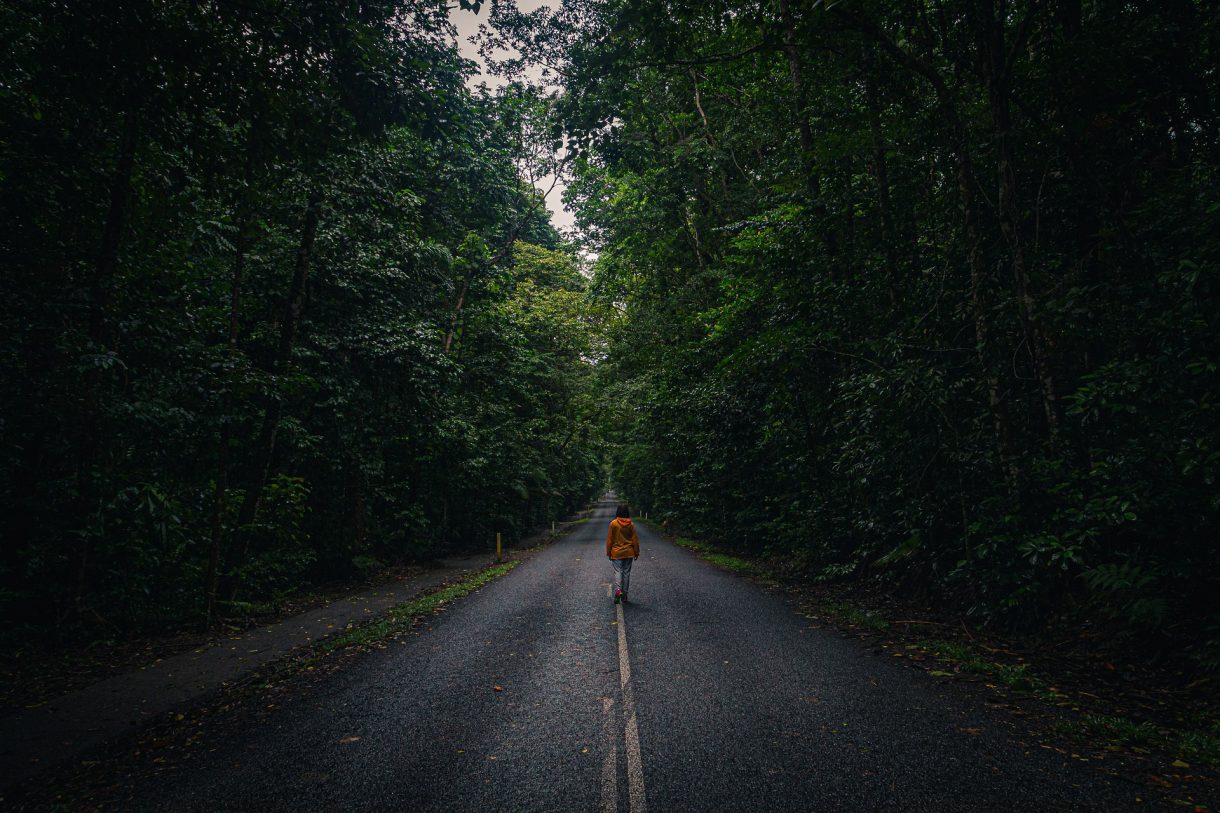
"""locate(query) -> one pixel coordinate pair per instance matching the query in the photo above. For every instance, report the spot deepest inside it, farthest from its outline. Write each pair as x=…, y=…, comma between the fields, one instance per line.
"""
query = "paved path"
x=33, y=740
x=706, y=693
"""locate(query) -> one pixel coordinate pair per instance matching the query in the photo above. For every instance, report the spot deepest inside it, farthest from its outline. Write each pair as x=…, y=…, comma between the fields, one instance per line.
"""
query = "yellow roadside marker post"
x=498, y=549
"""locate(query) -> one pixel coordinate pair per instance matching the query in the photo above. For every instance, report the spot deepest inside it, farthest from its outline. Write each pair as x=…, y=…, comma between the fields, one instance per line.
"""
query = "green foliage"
x=280, y=303
x=842, y=612
x=729, y=562
x=725, y=561
x=403, y=616
x=1199, y=747
x=1128, y=592
x=281, y=551
x=892, y=297
x=1202, y=747
x=692, y=544
x=1118, y=730
x=966, y=659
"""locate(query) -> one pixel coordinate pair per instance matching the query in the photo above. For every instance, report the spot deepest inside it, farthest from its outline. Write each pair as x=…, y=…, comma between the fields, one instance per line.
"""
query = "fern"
x=1129, y=592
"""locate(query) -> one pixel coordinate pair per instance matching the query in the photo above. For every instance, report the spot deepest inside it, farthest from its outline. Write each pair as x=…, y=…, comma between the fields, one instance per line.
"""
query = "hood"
x=622, y=520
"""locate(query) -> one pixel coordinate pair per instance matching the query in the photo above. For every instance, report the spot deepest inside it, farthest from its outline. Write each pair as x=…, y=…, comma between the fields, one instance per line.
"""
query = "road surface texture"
x=705, y=693
x=35, y=739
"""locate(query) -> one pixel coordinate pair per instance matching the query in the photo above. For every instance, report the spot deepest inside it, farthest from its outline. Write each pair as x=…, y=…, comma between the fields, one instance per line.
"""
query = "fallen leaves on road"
x=498, y=688
x=350, y=738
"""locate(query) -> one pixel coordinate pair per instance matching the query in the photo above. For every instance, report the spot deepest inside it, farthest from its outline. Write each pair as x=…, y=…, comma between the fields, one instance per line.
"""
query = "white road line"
x=610, y=765
x=635, y=767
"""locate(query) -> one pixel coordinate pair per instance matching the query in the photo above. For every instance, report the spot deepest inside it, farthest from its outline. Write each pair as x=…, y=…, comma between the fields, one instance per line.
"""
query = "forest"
x=280, y=304
x=913, y=294
x=922, y=293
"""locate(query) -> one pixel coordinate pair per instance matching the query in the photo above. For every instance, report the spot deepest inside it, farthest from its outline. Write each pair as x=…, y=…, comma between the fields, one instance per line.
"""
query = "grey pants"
x=622, y=573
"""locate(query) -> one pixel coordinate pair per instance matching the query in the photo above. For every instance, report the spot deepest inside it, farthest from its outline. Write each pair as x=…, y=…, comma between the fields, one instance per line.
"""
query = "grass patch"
x=728, y=562
x=722, y=560
x=1201, y=746
x=401, y=617
x=840, y=612
x=1116, y=733
x=1014, y=676
x=961, y=656
x=692, y=544
x=1100, y=728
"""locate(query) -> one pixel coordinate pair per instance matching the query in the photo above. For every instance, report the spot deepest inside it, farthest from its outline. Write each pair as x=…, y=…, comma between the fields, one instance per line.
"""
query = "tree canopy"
x=280, y=303
x=915, y=292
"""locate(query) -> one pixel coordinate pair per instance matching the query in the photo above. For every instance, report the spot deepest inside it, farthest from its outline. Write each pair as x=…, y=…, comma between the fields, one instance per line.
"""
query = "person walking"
x=622, y=548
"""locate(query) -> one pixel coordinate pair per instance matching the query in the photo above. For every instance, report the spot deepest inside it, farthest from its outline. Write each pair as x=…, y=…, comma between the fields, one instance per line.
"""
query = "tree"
x=892, y=279
x=237, y=234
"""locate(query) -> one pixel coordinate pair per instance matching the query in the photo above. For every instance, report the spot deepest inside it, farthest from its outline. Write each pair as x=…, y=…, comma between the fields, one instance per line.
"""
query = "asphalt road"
x=706, y=693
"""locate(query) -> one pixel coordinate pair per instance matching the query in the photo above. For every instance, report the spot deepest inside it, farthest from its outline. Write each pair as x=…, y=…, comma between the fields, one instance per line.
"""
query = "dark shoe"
x=618, y=596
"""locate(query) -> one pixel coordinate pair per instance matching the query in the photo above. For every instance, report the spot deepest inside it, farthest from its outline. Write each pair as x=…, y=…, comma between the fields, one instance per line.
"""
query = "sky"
x=467, y=24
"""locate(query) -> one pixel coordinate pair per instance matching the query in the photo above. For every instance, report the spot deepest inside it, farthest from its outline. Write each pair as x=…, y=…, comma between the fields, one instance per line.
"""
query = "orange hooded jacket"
x=622, y=542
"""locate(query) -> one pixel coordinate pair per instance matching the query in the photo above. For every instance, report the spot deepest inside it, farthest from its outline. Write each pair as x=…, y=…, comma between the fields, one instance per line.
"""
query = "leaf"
x=940, y=673
x=1177, y=763
x=350, y=738
x=498, y=688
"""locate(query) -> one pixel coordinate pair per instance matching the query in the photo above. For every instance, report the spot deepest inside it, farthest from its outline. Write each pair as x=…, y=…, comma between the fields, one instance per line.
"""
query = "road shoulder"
x=73, y=738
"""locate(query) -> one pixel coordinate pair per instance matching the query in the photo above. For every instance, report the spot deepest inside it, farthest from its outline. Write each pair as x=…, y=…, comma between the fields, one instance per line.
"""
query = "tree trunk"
x=457, y=310
x=881, y=173
x=999, y=71
x=960, y=147
x=264, y=445
x=100, y=287
x=357, y=495
x=979, y=299
x=116, y=221
x=798, y=86
x=997, y=403
x=797, y=80
x=220, y=490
